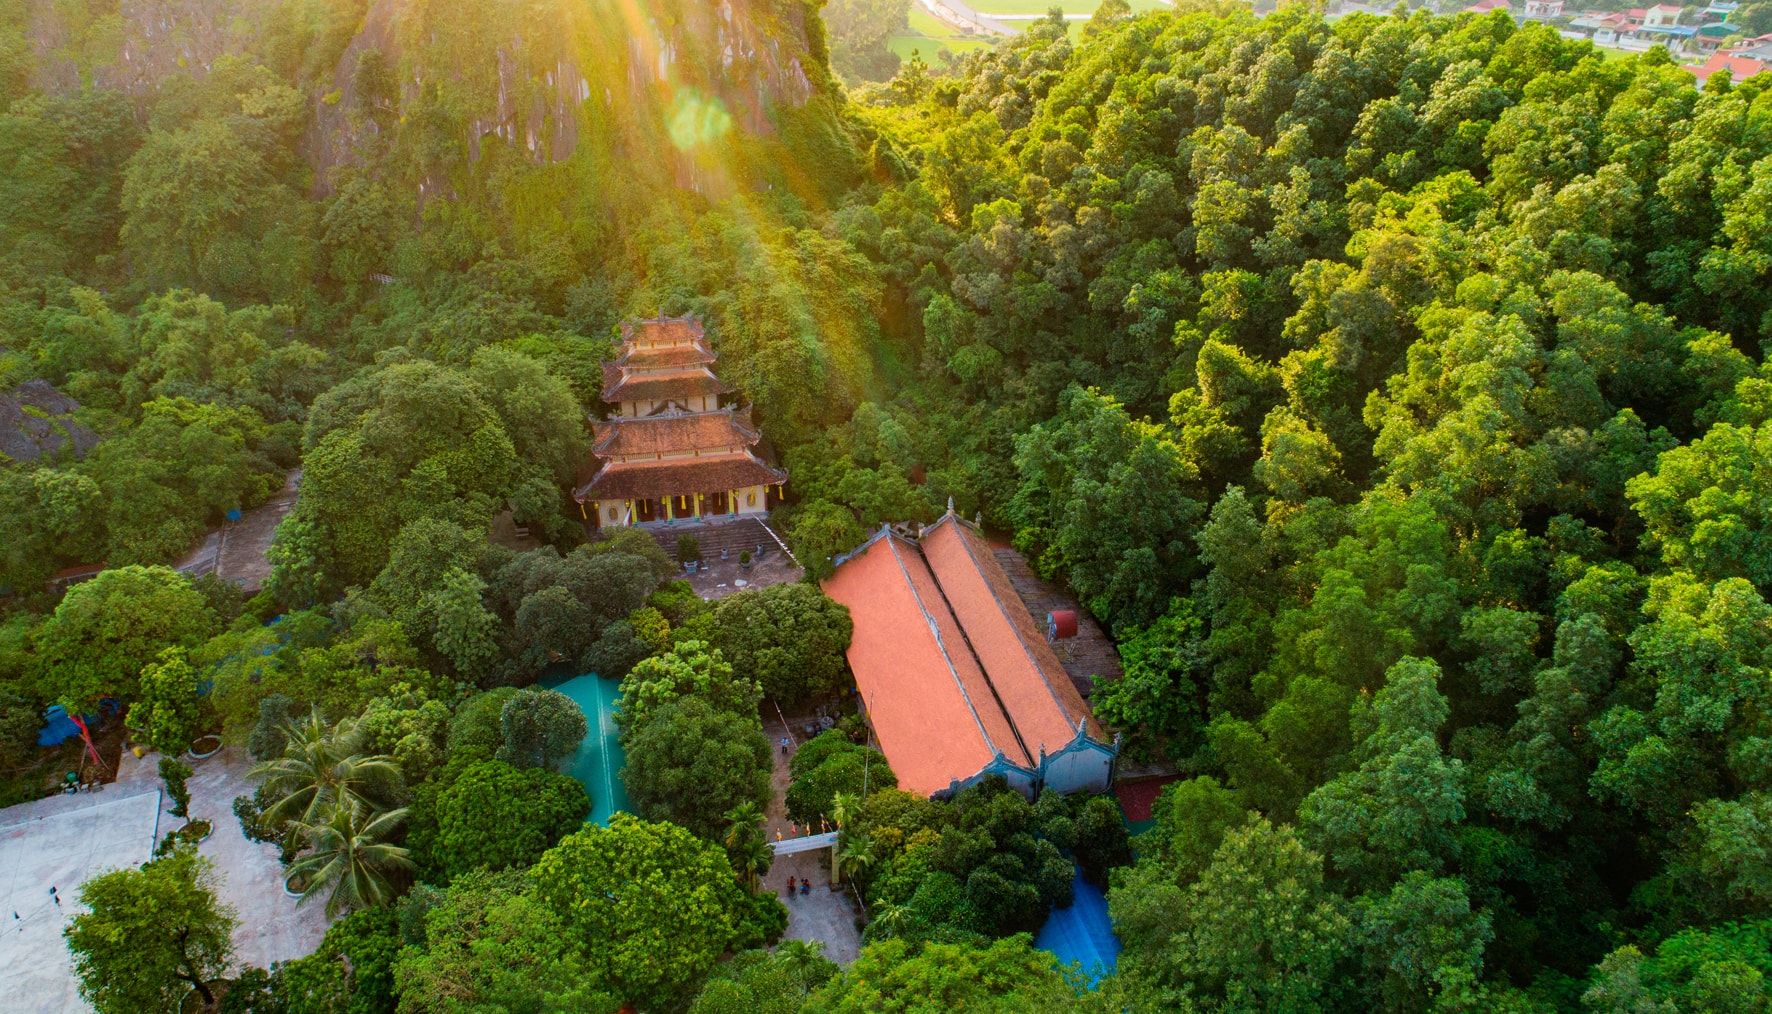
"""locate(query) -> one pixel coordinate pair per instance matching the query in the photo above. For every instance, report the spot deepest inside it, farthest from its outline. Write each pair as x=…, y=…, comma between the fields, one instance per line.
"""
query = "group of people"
x=805, y=885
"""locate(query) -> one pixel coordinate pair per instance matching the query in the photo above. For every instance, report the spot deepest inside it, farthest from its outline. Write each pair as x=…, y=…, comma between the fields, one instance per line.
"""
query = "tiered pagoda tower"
x=671, y=452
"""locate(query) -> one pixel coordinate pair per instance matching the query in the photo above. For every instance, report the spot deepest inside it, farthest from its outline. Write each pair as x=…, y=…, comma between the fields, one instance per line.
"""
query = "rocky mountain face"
x=36, y=422
x=543, y=75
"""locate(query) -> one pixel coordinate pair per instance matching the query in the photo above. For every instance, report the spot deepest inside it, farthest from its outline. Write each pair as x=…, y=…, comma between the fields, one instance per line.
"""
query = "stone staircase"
x=733, y=536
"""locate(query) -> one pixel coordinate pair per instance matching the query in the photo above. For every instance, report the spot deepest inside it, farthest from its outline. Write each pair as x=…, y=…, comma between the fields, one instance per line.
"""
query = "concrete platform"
x=271, y=927
x=64, y=840
x=62, y=850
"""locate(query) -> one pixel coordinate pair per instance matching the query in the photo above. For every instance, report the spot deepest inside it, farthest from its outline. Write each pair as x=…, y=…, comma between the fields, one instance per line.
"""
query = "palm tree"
x=352, y=857
x=321, y=766
x=745, y=846
x=801, y=959
x=843, y=806
x=743, y=822
x=752, y=858
x=857, y=855
x=889, y=920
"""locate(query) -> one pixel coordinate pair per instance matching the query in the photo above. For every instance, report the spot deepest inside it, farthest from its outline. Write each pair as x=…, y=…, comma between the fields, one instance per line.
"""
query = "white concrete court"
x=62, y=850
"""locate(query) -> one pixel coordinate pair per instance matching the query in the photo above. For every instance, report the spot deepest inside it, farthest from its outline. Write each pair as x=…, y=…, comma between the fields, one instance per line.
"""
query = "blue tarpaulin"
x=60, y=727
x=1082, y=933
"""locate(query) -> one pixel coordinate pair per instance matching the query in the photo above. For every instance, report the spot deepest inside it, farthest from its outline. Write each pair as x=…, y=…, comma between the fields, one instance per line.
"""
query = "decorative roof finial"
x=950, y=506
x=978, y=519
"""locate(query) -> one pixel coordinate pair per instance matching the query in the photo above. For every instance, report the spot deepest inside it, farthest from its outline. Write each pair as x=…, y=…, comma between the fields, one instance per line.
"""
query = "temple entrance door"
x=715, y=503
x=647, y=510
x=685, y=507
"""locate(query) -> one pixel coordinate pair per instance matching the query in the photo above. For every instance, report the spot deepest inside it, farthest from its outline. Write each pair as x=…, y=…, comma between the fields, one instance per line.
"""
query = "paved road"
x=957, y=12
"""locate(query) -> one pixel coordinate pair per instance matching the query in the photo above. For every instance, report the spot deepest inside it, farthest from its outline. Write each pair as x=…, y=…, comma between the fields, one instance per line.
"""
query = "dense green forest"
x=1392, y=387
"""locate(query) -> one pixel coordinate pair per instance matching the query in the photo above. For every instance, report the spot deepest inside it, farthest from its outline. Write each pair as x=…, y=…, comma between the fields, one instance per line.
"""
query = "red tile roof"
x=677, y=384
x=951, y=667
x=647, y=480
x=1740, y=68
x=663, y=330
x=726, y=431
x=926, y=696
x=647, y=357
x=1030, y=680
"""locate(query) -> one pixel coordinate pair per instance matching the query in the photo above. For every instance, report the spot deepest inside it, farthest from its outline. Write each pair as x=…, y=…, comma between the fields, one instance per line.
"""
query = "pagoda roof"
x=685, y=383
x=675, y=431
x=654, y=357
x=645, y=480
x=662, y=330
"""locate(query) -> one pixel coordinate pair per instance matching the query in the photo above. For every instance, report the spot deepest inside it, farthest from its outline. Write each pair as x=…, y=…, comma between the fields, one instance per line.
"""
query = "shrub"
x=497, y=817
x=830, y=764
x=688, y=549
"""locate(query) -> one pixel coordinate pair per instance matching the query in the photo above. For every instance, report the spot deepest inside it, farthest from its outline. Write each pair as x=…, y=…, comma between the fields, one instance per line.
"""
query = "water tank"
x=1061, y=623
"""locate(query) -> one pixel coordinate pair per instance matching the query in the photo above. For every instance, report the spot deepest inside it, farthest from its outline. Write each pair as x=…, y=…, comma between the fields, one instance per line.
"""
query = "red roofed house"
x=958, y=680
x=1485, y=6
x=1740, y=68
x=671, y=452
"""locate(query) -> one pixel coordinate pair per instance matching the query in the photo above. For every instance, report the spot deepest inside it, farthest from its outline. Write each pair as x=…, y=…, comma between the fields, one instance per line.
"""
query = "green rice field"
x=929, y=34
x=1037, y=8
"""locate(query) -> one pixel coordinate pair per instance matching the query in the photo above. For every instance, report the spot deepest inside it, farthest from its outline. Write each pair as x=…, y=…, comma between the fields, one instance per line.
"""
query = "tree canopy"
x=623, y=888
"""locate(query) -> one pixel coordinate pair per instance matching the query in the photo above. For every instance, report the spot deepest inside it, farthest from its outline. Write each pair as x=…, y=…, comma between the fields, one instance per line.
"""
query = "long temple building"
x=957, y=678
x=671, y=452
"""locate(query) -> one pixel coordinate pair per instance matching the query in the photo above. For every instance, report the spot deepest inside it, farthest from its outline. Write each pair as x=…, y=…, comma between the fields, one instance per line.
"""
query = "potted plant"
x=744, y=559
x=206, y=745
x=688, y=552
x=193, y=833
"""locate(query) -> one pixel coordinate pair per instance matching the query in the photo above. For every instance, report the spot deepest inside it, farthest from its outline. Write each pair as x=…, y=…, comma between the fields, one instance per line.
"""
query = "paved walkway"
x=719, y=578
x=62, y=841
x=91, y=833
x=271, y=927
x=236, y=551
x=823, y=914
x=241, y=557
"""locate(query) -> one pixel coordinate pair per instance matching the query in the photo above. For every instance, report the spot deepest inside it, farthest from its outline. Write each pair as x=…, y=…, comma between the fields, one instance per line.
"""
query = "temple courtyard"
x=63, y=841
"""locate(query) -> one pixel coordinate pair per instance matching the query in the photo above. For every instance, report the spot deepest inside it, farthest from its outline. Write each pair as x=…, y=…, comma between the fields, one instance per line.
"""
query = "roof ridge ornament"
x=950, y=506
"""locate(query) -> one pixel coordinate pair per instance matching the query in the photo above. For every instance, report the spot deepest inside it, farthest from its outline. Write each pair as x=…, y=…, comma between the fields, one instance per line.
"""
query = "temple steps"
x=733, y=536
